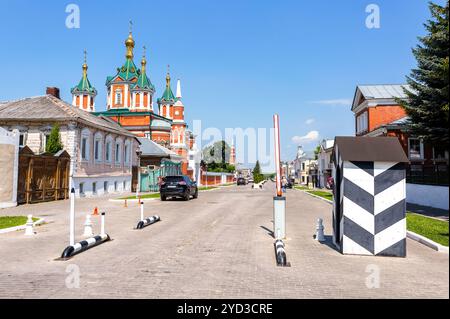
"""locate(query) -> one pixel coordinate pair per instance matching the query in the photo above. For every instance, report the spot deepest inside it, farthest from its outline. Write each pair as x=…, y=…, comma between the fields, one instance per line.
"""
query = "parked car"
x=241, y=181
x=178, y=186
x=250, y=180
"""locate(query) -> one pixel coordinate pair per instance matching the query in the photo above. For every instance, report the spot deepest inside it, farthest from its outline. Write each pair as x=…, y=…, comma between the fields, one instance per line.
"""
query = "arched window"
x=118, y=97
x=85, y=143
x=127, y=152
x=108, y=149
x=118, y=151
x=98, y=147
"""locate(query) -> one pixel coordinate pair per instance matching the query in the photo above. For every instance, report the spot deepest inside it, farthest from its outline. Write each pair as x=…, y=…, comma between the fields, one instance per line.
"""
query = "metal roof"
x=150, y=148
x=50, y=108
x=383, y=91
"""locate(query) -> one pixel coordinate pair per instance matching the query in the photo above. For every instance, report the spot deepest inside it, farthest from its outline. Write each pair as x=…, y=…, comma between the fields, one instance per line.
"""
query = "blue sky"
x=239, y=61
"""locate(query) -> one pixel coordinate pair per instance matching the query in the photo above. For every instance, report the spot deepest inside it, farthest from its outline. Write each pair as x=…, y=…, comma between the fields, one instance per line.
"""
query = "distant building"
x=378, y=113
x=324, y=165
x=305, y=168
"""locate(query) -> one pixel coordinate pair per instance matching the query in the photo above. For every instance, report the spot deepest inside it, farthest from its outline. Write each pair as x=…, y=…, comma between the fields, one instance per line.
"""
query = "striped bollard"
x=280, y=253
x=148, y=221
x=88, y=243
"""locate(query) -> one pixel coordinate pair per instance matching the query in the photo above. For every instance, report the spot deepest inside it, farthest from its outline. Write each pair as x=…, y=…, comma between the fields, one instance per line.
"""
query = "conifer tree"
x=54, y=144
x=427, y=99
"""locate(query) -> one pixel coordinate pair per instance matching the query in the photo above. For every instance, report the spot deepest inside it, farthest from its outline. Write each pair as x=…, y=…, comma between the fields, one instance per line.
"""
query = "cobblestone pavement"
x=218, y=246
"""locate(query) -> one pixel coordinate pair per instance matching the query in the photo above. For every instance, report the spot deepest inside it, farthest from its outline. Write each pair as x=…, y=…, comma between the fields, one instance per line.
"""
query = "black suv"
x=178, y=186
x=241, y=181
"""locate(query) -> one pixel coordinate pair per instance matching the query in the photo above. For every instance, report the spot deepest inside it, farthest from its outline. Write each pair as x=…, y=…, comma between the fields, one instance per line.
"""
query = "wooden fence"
x=43, y=177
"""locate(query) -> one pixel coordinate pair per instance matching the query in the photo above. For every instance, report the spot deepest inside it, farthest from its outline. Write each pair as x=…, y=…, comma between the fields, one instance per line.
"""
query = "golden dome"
x=129, y=43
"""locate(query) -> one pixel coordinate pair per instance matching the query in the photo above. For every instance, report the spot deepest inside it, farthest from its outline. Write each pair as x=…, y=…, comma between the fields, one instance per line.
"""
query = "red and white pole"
x=279, y=201
x=276, y=124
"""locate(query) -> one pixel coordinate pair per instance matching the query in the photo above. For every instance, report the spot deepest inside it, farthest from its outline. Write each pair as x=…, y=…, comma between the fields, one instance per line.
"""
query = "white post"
x=279, y=201
x=88, y=227
x=142, y=210
x=72, y=218
x=102, y=229
x=29, y=226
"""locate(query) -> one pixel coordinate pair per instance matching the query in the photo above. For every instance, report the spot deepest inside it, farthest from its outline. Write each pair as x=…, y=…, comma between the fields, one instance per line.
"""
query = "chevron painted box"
x=369, y=209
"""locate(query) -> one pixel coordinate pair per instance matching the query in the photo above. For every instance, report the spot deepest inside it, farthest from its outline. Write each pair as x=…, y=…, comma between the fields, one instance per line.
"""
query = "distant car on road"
x=178, y=186
x=250, y=180
x=241, y=181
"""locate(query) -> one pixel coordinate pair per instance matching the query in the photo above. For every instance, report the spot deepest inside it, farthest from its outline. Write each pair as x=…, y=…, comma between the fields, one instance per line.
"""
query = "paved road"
x=218, y=246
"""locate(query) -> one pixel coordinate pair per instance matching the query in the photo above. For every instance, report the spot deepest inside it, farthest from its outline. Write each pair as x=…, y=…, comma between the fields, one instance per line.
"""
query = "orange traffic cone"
x=95, y=211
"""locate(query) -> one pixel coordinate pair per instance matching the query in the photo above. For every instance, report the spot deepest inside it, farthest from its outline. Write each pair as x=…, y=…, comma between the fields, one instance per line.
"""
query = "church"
x=130, y=103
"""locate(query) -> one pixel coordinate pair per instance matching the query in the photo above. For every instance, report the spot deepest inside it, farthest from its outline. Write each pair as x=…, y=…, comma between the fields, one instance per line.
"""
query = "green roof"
x=167, y=96
x=84, y=86
x=126, y=72
x=143, y=82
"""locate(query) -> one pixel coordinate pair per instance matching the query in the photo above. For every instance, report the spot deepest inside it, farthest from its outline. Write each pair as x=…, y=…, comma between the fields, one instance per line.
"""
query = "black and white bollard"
x=280, y=253
x=90, y=242
x=146, y=221
x=319, y=230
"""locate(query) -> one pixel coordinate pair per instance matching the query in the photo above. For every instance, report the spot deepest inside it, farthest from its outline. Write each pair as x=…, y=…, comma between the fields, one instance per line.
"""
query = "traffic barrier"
x=88, y=243
x=146, y=221
x=280, y=253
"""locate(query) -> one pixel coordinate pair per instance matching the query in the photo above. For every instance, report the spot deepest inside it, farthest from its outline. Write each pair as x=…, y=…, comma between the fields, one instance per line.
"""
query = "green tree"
x=219, y=152
x=54, y=144
x=427, y=100
x=257, y=176
x=316, y=152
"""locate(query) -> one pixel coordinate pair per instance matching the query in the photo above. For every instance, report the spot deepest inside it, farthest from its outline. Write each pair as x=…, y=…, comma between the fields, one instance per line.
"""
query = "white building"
x=102, y=152
x=324, y=162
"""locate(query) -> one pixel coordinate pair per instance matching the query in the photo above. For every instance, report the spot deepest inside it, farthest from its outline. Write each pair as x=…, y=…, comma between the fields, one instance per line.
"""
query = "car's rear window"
x=173, y=178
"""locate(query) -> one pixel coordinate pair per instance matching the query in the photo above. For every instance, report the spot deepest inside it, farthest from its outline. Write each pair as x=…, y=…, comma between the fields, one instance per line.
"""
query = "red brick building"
x=377, y=113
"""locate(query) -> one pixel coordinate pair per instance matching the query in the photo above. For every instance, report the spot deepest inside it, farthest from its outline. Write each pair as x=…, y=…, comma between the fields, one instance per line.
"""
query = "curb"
x=132, y=199
x=321, y=198
x=411, y=235
x=427, y=242
x=40, y=221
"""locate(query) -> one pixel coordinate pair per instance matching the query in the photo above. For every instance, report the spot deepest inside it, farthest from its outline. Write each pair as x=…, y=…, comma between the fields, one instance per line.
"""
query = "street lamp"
x=138, y=154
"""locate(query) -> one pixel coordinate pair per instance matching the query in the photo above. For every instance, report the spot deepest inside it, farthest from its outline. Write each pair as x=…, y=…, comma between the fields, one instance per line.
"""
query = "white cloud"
x=344, y=102
x=310, y=121
x=312, y=136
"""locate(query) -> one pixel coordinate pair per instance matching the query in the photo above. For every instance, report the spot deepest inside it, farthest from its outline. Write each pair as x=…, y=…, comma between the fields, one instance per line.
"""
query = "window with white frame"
x=126, y=152
x=98, y=141
x=84, y=145
x=415, y=149
x=362, y=123
x=23, y=139
x=440, y=153
x=118, y=97
x=117, y=152
x=108, y=149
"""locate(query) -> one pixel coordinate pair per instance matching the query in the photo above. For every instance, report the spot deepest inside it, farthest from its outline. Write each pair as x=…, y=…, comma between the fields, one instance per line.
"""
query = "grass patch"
x=436, y=230
x=13, y=221
x=206, y=188
x=322, y=194
x=302, y=188
x=144, y=196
